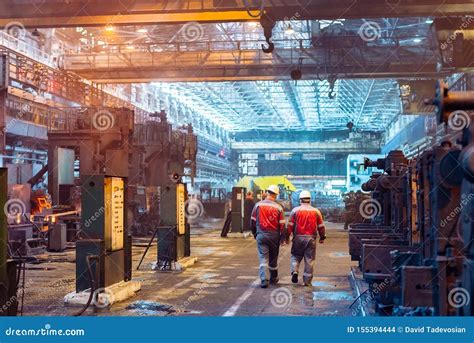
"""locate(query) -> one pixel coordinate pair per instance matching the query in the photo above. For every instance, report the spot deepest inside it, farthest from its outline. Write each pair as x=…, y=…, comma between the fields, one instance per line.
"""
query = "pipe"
x=35, y=179
x=22, y=158
x=56, y=215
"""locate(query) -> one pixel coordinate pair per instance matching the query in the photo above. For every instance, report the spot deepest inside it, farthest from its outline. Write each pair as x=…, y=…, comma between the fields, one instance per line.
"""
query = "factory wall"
x=328, y=165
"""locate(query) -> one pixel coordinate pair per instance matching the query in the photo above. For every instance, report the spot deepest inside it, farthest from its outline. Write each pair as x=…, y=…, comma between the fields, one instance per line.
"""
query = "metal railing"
x=25, y=48
x=35, y=67
x=17, y=50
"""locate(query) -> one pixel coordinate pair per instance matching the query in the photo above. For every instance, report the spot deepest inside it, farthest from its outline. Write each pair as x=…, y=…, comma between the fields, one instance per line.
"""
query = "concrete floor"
x=222, y=283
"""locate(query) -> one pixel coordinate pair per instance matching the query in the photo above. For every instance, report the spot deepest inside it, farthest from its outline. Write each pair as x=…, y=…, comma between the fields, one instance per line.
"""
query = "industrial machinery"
x=420, y=236
x=8, y=267
x=100, y=139
x=161, y=158
x=167, y=157
x=352, y=201
x=104, y=235
x=23, y=236
x=174, y=236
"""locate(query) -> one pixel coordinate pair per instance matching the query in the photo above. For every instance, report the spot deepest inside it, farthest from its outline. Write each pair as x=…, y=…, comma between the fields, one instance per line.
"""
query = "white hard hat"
x=305, y=195
x=274, y=189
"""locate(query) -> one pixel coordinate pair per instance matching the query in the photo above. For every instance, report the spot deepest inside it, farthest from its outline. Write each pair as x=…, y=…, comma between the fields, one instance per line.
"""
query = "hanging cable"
x=249, y=12
x=92, y=284
x=22, y=262
x=363, y=293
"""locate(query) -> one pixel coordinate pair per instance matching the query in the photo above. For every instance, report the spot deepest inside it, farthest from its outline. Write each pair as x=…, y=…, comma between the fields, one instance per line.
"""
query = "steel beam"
x=257, y=73
x=324, y=147
x=56, y=13
x=221, y=66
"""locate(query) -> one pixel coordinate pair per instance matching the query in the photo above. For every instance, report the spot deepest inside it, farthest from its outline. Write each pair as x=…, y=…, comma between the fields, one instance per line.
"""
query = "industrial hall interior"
x=236, y=158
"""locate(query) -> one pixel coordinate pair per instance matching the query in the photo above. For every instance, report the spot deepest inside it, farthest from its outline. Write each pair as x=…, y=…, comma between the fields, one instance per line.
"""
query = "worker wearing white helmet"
x=268, y=227
x=305, y=223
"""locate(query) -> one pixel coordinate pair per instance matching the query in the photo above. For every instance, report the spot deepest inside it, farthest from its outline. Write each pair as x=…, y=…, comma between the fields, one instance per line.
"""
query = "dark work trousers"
x=304, y=247
x=268, y=244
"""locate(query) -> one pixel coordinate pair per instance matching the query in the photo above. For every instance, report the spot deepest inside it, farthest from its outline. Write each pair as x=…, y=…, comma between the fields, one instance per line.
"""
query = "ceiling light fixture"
x=252, y=24
x=109, y=28
x=142, y=30
x=289, y=30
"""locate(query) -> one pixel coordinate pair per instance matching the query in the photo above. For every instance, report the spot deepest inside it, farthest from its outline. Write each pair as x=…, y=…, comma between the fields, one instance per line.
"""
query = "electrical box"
x=174, y=234
x=103, y=209
x=103, y=234
x=238, y=209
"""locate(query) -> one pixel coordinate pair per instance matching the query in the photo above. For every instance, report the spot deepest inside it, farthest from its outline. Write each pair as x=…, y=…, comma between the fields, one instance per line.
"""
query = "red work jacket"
x=306, y=220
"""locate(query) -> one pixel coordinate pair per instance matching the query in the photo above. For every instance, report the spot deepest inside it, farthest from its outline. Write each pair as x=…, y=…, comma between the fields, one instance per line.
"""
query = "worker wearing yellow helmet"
x=268, y=228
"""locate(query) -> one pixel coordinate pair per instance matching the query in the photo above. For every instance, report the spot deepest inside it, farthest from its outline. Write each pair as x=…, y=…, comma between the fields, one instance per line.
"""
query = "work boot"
x=294, y=277
x=274, y=277
x=264, y=284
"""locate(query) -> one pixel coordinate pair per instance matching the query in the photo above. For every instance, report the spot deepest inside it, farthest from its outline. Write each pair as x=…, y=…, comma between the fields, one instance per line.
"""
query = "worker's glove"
x=322, y=239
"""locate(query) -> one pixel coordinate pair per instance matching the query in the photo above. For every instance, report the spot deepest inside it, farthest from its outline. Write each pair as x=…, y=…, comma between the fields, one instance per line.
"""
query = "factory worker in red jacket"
x=268, y=227
x=305, y=223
